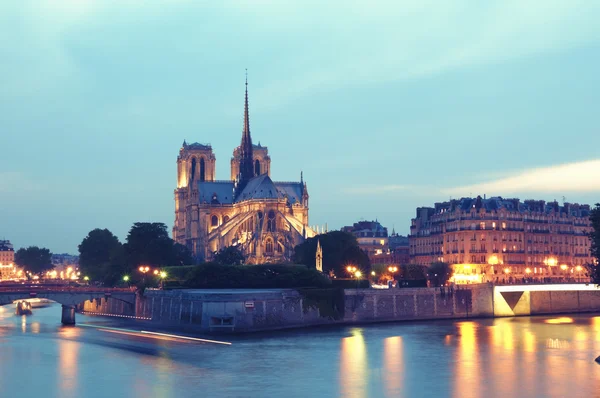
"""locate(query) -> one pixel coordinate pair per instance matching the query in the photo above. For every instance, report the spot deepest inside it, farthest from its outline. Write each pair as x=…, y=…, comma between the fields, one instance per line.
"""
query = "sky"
x=383, y=105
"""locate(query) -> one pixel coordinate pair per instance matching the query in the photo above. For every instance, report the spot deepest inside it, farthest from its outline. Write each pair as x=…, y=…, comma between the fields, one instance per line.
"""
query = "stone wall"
x=254, y=310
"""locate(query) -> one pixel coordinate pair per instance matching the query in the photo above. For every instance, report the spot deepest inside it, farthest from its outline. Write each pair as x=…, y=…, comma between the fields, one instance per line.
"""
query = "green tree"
x=101, y=257
x=594, y=269
x=412, y=272
x=34, y=259
x=340, y=249
x=150, y=244
x=230, y=255
x=438, y=273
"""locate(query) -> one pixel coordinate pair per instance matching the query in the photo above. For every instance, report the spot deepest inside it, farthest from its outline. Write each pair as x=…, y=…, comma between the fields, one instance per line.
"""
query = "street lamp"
x=126, y=278
x=144, y=270
x=358, y=274
x=578, y=269
x=351, y=269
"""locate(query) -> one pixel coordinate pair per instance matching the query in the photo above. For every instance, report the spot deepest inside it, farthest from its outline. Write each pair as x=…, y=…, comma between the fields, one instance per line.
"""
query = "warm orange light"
x=506, y=270
x=358, y=274
x=528, y=270
x=564, y=267
x=578, y=268
x=155, y=272
x=551, y=262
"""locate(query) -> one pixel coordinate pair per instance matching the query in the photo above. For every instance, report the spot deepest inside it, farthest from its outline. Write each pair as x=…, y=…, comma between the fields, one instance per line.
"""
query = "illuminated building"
x=399, y=247
x=372, y=238
x=266, y=219
x=497, y=239
x=7, y=259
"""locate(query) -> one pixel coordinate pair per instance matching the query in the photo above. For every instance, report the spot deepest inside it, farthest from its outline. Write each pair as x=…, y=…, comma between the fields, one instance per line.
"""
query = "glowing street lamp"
x=126, y=278
x=373, y=273
x=86, y=278
x=351, y=269
x=528, y=270
x=358, y=274
x=578, y=269
x=143, y=269
x=564, y=267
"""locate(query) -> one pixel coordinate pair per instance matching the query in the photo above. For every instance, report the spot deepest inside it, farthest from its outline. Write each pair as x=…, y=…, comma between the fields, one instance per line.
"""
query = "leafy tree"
x=230, y=255
x=101, y=257
x=340, y=249
x=34, y=259
x=412, y=272
x=181, y=255
x=438, y=273
x=148, y=244
x=594, y=269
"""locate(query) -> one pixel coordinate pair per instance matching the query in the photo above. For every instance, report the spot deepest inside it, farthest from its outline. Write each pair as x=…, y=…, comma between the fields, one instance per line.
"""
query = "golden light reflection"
x=67, y=367
x=529, y=341
x=558, y=321
x=35, y=327
x=353, y=365
x=393, y=365
x=23, y=323
x=467, y=383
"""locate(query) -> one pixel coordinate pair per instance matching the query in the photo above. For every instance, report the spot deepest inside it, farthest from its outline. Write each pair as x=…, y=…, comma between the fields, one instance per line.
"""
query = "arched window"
x=279, y=247
x=193, y=173
x=269, y=246
x=271, y=227
x=202, y=177
x=257, y=167
x=225, y=219
x=214, y=221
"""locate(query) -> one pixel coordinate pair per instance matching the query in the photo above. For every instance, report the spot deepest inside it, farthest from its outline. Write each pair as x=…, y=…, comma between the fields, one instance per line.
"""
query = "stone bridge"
x=69, y=297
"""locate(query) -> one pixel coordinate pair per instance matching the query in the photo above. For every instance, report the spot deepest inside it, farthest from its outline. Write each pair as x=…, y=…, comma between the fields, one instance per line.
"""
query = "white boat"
x=36, y=302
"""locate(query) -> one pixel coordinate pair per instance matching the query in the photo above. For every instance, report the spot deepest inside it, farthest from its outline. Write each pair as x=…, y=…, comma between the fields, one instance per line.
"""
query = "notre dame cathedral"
x=265, y=219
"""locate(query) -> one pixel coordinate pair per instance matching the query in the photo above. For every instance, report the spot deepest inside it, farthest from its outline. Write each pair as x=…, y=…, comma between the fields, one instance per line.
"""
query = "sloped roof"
x=222, y=190
x=291, y=190
x=260, y=187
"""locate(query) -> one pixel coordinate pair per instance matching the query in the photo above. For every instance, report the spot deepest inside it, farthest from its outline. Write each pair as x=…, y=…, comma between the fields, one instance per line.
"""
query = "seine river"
x=511, y=357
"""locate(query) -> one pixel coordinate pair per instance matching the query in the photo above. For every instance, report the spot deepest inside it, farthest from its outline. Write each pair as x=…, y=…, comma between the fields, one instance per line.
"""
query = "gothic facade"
x=265, y=219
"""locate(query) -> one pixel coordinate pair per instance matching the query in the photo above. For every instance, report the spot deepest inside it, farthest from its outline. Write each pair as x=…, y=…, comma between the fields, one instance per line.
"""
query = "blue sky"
x=384, y=105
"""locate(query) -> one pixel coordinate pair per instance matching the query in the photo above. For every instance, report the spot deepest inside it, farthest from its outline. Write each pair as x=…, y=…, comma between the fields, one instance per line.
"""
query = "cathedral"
x=265, y=219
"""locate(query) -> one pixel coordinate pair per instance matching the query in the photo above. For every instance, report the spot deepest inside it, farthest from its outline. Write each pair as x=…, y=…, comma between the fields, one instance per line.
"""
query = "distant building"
x=7, y=260
x=319, y=257
x=373, y=239
x=399, y=248
x=62, y=261
x=500, y=239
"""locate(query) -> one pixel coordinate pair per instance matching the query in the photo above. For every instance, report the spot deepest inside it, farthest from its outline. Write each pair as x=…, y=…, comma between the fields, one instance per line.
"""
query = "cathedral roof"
x=260, y=187
x=216, y=192
x=196, y=145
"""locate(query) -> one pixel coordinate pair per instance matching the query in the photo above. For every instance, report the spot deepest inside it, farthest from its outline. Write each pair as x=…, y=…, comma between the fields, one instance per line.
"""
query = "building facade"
x=265, y=219
x=7, y=260
x=373, y=239
x=503, y=240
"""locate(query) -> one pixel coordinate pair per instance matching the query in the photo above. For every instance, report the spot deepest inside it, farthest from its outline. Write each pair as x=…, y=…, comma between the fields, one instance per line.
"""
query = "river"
x=508, y=357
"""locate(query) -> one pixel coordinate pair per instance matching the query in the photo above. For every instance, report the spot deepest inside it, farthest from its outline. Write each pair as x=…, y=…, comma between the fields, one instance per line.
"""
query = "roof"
x=260, y=187
x=216, y=192
x=196, y=145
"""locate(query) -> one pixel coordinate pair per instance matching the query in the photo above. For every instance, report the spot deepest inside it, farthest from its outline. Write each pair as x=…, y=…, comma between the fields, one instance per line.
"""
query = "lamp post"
x=162, y=275
x=144, y=270
x=578, y=269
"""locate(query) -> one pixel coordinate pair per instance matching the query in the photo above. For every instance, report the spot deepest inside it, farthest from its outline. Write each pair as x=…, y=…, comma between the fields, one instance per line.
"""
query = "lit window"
x=382, y=242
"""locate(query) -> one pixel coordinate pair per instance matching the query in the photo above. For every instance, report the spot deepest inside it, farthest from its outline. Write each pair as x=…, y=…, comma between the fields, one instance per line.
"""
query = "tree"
x=594, y=269
x=34, y=259
x=148, y=244
x=230, y=255
x=101, y=257
x=340, y=249
x=438, y=273
x=412, y=272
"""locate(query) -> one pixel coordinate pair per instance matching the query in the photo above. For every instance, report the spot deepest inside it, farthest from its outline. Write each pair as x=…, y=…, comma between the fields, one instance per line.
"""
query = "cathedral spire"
x=246, y=157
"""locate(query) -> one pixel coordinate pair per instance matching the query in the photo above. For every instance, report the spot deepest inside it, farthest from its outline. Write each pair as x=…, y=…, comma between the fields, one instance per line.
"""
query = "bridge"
x=68, y=296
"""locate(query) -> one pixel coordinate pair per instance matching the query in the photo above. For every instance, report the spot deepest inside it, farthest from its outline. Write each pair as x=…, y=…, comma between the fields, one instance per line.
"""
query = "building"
x=266, y=219
x=500, y=239
x=7, y=260
x=372, y=238
x=399, y=248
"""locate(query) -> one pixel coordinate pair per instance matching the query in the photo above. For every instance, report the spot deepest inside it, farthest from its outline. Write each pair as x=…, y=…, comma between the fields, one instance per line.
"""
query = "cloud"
x=570, y=177
x=15, y=182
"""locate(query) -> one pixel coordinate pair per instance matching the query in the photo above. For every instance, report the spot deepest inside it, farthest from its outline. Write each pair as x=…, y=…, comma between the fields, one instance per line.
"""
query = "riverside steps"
x=248, y=310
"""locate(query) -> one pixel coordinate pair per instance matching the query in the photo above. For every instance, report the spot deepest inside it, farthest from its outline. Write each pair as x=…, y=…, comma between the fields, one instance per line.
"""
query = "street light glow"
x=126, y=278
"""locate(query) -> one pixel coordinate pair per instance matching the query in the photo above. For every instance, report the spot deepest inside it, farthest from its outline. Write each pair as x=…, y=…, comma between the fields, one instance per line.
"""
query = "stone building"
x=7, y=259
x=266, y=219
x=372, y=238
x=500, y=239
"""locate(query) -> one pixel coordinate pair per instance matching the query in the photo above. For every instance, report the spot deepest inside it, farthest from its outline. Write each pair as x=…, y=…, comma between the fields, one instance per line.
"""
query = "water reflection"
x=67, y=367
x=393, y=370
x=353, y=365
x=467, y=379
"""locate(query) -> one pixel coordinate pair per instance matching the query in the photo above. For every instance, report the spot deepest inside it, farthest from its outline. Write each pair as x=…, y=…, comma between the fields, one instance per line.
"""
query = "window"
x=202, y=177
x=225, y=219
x=503, y=225
x=193, y=171
x=280, y=247
x=269, y=246
x=271, y=227
x=256, y=167
x=482, y=225
x=214, y=221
